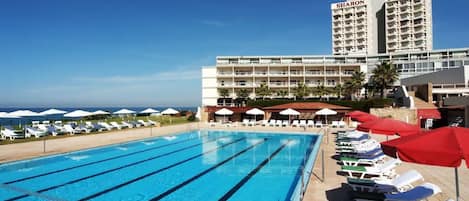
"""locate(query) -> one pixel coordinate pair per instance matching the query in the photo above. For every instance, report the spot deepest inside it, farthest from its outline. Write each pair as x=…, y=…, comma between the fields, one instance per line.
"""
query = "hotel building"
x=358, y=27
x=283, y=73
x=408, y=25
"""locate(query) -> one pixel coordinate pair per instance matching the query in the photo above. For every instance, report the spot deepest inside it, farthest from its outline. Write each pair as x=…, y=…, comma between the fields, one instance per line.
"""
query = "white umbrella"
x=100, y=112
x=169, y=111
x=53, y=112
x=325, y=112
x=149, y=111
x=78, y=113
x=224, y=112
x=124, y=111
x=24, y=113
x=289, y=112
x=255, y=112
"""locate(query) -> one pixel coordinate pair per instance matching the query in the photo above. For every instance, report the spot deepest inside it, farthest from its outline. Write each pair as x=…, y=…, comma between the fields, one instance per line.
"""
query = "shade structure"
x=255, y=111
x=361, y=116
x=149, y=111
x=355, y=113
x=53, y=112
x=169, y=111
x=386, y=126
x=325, y=112
x=289, y=111
x=24, y=113
x=224, y=111
x=446, y=147
x=100, y=112
x=8, y=116
x=124, y=111
x=78, y=114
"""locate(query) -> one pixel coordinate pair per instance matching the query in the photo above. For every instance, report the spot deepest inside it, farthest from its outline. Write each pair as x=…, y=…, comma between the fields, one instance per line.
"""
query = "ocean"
x=70, y=109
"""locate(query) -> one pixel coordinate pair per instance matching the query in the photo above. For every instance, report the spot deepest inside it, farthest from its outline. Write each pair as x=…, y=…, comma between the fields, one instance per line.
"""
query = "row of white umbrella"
x=287, y=112
x=81, y=113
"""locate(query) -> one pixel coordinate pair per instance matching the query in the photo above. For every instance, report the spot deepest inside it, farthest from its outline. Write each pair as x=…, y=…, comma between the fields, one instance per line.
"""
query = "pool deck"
x=330, y=189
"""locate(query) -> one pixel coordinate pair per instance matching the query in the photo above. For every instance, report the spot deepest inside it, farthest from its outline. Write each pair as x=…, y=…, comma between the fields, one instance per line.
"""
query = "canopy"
x=361, y=116
x=289, y=111
x=169, y=111
x=224, y=111
x=149, y=111
x=446, y=146
x=53, y=112
x=78, y=113
x=100, y=112
x=124, y=111
x=356, y=113
x=326, y=111
x=255, y=111
x=24, y=113
x=6, y=115
x=388, y=126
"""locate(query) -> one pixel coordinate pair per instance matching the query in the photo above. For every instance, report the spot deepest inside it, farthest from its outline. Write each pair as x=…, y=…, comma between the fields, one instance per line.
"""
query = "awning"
x=428, y=114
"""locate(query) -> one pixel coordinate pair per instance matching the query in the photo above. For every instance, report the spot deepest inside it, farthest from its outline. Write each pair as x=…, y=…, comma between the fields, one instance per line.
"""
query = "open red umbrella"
x=386, y=126
x=445, y=147
x=361, y=116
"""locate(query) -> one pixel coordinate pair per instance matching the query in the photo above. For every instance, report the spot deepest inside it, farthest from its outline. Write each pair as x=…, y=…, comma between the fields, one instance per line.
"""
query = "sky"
x=88, y=53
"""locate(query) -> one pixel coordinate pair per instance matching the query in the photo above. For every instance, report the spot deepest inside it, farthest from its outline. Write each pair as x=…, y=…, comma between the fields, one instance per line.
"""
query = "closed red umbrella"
x=361, y=116
x=446, y=147
x=386, y=126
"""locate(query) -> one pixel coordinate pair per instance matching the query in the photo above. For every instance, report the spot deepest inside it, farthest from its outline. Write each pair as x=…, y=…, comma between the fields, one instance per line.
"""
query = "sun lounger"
x=421, y=192
x=144, y=123
x=115, y=125
x=342, y=124
x=303, y=123
x=29, y=132
x=318, y=124
x=272, y=122
x=245, y=122
x=69, y=129
x=401, y=183
x=7, y=133
x=136, y=124
x=106, y=125
x=335, y=124
x=366, y=145
x=127, y=124
x=285, y=123
x=367, y=161
x=265, y=122
x=384, y=170
x=278, y=123
x=212, y=123
x=35, y=123
x=153, y=123
x=82, y=128
x=295, y=123
x=311, y=123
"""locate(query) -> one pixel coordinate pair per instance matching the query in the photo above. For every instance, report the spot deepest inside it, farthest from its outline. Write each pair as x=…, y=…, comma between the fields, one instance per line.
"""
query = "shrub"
x=191, y=117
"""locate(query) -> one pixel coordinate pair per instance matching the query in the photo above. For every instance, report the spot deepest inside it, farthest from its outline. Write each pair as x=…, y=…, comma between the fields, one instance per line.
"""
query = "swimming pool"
x=196, y=165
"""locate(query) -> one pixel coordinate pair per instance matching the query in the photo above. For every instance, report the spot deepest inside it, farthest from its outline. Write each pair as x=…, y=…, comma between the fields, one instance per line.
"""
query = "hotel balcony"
x=278, y=84
x=279, y=73
x=243, y=74
x=360, y=9
x=224, y=74
x=296, y=73
x=337, y=12
x=314, y=73
x=261, y=73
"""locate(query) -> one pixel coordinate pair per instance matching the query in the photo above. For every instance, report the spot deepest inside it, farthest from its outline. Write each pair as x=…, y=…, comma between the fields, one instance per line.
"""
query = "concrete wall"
x=448, y=76
x=403, y=114
x=209, y=86
x=462, y=100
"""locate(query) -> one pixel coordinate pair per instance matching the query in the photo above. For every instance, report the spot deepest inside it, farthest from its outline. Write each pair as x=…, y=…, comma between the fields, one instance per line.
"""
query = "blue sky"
x=149, y=53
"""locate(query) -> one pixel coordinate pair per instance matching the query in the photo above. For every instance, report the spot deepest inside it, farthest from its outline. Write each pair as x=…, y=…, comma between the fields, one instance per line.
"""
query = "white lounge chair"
x=295, y=123
x=401, y=183
x=115, y=125
x=144, y=123
x=69, y=129
x=318, y=124
x=335, y=124
x=342, y=124
x=252, y=122
x=310, y=123
x=127, y=124
x=421, y=192
x=278, y=123
x=29, y=132
x=303, y=123
x=11, y=134
x=212, y=123
x=384, y=170
x=106, y=125
x=370, y=161
x=152, y=122
x=245, y=122
x=272, y=122
x=265, y=122
x=285, y=123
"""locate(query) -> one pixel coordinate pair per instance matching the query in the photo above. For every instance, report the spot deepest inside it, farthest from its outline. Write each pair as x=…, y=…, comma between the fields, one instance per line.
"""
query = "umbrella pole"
x=457, y=183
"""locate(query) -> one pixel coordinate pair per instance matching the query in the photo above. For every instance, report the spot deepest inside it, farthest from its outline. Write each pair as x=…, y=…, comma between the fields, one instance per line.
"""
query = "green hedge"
x=363, y=105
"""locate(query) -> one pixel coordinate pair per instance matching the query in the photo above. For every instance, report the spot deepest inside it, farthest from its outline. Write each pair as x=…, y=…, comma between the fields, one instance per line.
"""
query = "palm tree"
x=338, y=90
x=384, y=75
x=223, y=93
x=353, y=86
x=263, y=91
x=242, y=94
x=321, y=91
x=301, y=91
x=282, y=93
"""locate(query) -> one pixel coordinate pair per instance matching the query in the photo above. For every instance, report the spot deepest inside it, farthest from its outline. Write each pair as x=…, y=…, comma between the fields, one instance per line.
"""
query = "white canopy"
x=326, y=111
x=24, y=113
x=78, y=113
x=255, y=111
x=289, y=111
x=169, y=111
x=6, y=115
x=100, y=112
x=149, y=111
x=124, y=111
x=52, y=112
x=224, y=111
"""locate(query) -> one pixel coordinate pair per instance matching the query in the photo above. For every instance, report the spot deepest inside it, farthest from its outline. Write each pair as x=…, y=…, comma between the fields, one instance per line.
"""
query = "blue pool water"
x=197, y=165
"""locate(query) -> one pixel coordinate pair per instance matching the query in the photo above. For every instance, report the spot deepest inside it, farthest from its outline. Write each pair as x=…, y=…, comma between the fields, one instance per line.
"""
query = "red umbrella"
x=388, y=126
x=361, y=116
x=442, y=147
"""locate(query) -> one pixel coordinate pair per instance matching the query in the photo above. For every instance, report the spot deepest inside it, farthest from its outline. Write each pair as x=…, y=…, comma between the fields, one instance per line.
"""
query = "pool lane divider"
x=175, y=188
x=243, y=181
x=99, y=161
x=115, y=169
x=162, y=169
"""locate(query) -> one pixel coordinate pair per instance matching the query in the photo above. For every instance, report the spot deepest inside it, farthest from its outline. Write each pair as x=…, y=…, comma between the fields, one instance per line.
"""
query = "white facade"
x=355, y=27
x=409, y=25
x=283, y=73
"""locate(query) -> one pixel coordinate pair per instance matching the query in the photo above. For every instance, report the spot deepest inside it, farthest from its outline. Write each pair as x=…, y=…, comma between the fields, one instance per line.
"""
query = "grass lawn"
x=163, y=120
